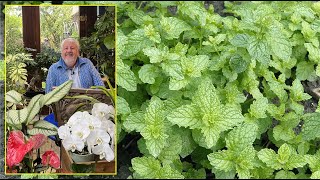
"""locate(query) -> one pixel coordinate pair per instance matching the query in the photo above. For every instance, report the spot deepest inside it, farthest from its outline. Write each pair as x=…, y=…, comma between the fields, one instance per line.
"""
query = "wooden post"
x=31, y=28
x=88, y=16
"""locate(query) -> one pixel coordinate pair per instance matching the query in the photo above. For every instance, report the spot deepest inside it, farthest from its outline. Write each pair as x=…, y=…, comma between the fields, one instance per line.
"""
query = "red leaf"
x=17, y=148
x=52, y=158
x=39, y=140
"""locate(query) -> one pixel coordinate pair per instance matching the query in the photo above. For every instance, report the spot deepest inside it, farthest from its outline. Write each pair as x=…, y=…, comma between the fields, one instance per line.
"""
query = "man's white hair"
x=72, y=40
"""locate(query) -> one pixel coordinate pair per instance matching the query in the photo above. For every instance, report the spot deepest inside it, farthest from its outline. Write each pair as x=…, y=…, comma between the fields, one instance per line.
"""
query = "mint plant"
x=221, y=95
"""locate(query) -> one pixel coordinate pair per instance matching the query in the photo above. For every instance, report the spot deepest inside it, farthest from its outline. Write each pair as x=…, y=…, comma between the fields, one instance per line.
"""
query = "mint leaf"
x=259, y=107
x=125, y=77
x=173, y=27
x=194, y=65
x=280, y=44
x=305, y=71
x=136, y=42
x=240, y=40
x=173, y=69
x=194, y=10
x=258, y=50
x=241, y=137
x=186, y=116
x=285, y=175
x=155, y=131
x=150, y=168
x=269, y=157
x=122, y=106
x=134, y=122
x=309, y=129
x=297, y=91
x=154, y=54
x=238, y=64
x=148, y=73
x=314, y=52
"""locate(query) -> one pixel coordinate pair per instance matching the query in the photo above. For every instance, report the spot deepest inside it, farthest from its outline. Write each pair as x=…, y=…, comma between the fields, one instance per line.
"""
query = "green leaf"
x=195, y=174
x=175, y=84
x=136, y=42
x=122, y=106
x=238, y=64
x=194, y=65
x=125, y=77
x=194, y=10
x=222, y=160
x=148, y=73
x=155, y=131
x=172, y=150
x=173, y=27
x=309, y=129
x=206, y=97
x=34, y=107
x=297, y=91
x=135, y=121
x=315, y=175
x=188, y=143
x=258, y=50
x=121, y=41
x=259, y=107
x=280, y=45
x=136, y=16
x=13, y=96
x=173, y=69
x=152, y=34
x=240, y=40
x=56, y=94
x=304, y=70
x=43, y=127
x=241, y=137
x=109, y=41
x=17, y=117
x=285, y=175
x=269, y=157
x=150, y=168
x=154, y=54
x=314, y=52
x=186, y=116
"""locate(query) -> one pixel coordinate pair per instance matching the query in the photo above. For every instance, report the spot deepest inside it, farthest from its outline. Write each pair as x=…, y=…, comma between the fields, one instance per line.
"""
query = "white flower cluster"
x=95, y=131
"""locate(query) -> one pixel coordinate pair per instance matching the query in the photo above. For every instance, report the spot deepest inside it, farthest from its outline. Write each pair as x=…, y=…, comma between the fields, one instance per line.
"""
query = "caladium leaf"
x=51, y=158
x=17, y=148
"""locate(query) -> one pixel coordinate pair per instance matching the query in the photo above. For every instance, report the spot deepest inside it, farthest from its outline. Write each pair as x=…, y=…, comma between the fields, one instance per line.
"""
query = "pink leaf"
x=17, y=148
x=52, y=158
x=39, y=140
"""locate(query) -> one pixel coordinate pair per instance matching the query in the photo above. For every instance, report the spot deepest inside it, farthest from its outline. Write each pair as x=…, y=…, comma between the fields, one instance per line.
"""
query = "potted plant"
x=86, y=135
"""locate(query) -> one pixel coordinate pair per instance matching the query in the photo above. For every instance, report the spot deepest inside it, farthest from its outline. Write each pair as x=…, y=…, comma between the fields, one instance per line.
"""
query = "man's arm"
x=97, y=80
x=50, y=80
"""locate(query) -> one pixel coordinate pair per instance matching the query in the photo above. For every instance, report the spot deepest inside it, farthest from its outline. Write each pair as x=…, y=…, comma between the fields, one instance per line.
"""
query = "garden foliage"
x=219, y=94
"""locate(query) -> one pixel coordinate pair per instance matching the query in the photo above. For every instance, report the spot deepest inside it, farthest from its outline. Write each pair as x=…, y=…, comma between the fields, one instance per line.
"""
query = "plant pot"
x=81, y=157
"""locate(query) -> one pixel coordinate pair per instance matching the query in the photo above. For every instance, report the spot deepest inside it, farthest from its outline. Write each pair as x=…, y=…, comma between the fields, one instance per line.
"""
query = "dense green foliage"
x=219, y=94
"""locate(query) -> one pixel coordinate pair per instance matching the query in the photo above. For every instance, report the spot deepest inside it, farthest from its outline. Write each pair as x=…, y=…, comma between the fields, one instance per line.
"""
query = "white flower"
x=102, y=110
x=109, y=126
x=80, y=130
x=104, y=151
x=77, y=118
x=64, y=132
x=97, y=137
x=73, y=143
x=93, y=122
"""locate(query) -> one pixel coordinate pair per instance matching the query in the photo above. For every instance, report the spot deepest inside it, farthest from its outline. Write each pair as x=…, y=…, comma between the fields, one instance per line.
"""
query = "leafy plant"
x=99, y=46
x=26, y=129
x=16, y=67
x=219, y=94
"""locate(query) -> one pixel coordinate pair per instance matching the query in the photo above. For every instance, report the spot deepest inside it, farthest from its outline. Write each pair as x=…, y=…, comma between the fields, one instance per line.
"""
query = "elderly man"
x=72, y=67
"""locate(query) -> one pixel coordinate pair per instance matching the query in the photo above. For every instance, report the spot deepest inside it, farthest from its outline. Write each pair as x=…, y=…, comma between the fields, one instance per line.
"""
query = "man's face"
x=69, y=53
